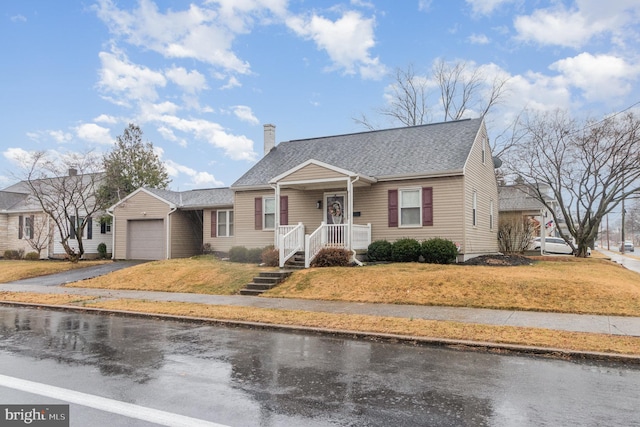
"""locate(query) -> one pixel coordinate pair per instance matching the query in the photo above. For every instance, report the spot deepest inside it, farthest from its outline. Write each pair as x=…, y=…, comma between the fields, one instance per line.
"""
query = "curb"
x=461, y=345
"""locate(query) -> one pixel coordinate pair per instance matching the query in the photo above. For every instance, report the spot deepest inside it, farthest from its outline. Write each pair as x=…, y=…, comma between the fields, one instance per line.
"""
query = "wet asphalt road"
x=244, y=377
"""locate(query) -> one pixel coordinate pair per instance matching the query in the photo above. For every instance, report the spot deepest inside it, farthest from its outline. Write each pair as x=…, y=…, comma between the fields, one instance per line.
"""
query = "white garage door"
x=145, y=239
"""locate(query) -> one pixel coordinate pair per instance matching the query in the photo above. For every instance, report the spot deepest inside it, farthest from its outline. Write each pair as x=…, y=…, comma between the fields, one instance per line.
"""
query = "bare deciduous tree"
x=453, y=89
x=589, y=167
x=40, y=232
x=66, y=190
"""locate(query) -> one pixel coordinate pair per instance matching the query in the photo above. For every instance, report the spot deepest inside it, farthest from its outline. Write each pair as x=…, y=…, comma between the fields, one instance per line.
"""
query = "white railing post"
x=281, y=250
x=307, y=261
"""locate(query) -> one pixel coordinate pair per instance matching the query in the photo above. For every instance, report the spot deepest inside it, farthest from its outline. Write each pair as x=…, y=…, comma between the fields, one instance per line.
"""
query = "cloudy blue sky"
x=201, y=77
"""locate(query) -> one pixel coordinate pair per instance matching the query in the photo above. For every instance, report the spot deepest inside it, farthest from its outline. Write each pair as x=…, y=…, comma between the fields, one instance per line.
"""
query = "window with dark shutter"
x=393, y=208
x=284, y=210
x=89, y=228
x=103, y=227
x=258, y=213
x=32, y=224
x=72, y=227
x=427, y=206
x=214, y=224
x=20, y=226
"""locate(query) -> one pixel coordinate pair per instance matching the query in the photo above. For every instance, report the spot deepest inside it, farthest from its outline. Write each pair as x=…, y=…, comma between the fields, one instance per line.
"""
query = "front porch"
x=291, y=239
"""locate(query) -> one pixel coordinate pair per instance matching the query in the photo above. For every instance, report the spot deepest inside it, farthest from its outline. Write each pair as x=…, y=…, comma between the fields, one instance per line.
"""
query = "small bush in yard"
x=439, y=251
x=13, y=254
x=380, y=250
x=254, y=255
x=102, y=250
x=270, y=256
x=238, y=254
x=332, y=257
x=32, y=256
x=405, y=250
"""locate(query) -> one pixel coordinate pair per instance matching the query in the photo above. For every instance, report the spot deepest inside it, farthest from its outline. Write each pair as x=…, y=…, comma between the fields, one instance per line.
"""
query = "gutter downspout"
x=113, y=233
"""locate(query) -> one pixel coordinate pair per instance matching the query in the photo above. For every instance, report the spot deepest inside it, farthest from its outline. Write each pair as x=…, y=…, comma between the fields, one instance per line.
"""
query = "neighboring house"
x=420, y=182
x=517, y=203
x=160, y=224
x=22, y=220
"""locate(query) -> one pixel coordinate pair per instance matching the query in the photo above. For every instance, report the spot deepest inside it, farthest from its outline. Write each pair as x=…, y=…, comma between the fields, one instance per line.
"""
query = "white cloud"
x=600, y=77
x=18, y=18
x=199, y=179
x=120, y=76
x=486, y=7
x=233, y=82
x=424, y=5
x=190, y=81
x=60, y=136
x=18, y=156
x=198, y=33
x=93, y=133
x=245, y=114
x=105, y=118
x=576, y=26
x=347, y=41
x=478, y=39
x=236, y=147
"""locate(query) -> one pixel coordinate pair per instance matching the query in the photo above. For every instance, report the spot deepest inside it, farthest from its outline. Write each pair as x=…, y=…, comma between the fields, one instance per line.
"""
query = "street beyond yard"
x=557, y=284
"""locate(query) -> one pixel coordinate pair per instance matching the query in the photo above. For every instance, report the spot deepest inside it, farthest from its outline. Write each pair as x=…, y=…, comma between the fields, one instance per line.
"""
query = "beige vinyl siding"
x=246, y=234
x=480, y=177
x=218, y=244
x=140, y=206
x=186, y=235
x=4, y=237
x=10, y=227
x=312, y=171
x=372, y=203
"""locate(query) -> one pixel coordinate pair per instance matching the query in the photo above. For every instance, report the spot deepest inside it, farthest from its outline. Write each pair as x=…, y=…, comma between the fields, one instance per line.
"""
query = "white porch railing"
x=291, y=239
x=335, y=236
x=361, y=236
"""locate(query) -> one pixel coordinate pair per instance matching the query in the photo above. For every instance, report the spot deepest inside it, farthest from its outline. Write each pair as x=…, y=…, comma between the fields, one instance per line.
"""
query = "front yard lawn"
x=11, y=270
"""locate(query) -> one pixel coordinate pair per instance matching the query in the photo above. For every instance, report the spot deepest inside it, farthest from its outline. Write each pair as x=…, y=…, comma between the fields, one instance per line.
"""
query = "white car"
x=555, y=245
x=628, y=247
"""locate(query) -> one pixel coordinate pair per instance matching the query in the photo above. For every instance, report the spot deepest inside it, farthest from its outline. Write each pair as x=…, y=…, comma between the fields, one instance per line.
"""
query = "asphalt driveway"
x=60, y=279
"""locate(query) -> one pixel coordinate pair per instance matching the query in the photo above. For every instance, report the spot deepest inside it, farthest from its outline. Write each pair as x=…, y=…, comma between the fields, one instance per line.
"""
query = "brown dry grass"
x=11, y=270
x=389, y=325
x=560, y=284
x=201, y=274
x=48, y=299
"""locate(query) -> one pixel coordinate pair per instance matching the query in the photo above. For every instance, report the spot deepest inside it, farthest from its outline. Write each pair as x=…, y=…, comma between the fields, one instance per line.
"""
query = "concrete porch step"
x=264, y=281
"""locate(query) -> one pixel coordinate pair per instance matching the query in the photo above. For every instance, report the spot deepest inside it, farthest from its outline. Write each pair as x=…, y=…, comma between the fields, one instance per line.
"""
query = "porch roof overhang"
x=334, y=176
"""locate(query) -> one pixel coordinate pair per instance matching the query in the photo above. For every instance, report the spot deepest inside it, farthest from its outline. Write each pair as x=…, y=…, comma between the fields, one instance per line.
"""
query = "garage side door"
x=145, y=239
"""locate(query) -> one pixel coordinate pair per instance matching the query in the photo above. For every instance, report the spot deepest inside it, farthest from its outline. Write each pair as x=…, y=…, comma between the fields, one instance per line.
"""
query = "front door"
x=335, y=218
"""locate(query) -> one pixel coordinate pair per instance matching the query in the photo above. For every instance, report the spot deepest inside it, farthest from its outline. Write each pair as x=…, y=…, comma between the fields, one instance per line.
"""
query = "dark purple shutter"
x=20, y=226
x=427, y=206
x=72, y=223
x=89, y=228
x=103, y=227
x=284, y=210
x=393, y=208
x=258, y=213
x=214, y=223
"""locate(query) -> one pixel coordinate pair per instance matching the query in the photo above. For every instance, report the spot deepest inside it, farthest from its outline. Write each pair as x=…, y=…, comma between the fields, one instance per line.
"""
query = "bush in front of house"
x=380, y=250
x=332, y=257
x=238, y=254
x=405, y=250
x=13, y=254
x=102, y=250
x=270, y=256
x=439, y=251
x=254, y=255
x=32, y=256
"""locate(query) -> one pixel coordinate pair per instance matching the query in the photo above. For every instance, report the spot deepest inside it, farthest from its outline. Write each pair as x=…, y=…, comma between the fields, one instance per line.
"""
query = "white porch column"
x=276, y=220
x=350, y=217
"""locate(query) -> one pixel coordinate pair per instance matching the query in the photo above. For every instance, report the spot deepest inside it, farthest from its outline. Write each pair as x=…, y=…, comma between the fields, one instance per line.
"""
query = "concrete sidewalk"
x=614, y=325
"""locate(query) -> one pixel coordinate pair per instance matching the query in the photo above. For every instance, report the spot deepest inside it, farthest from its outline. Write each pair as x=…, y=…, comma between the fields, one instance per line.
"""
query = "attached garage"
x=145, y=239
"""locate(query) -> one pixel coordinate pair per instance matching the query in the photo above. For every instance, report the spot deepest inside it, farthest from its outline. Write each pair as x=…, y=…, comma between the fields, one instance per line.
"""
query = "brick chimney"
x=73, y=172
x=269, y=138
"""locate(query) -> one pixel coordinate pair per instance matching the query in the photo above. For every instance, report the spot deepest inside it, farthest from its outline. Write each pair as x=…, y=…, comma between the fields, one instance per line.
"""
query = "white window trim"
x=264, y=212
x=491, y=218
x=400, y=191
x=227, y=223
x=484, y=151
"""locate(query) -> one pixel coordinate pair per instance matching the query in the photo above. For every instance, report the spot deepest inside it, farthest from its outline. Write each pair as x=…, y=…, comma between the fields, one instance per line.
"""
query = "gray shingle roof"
x=210, y=197
x=10, y=200
x=417, y=150
x=517, y=198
